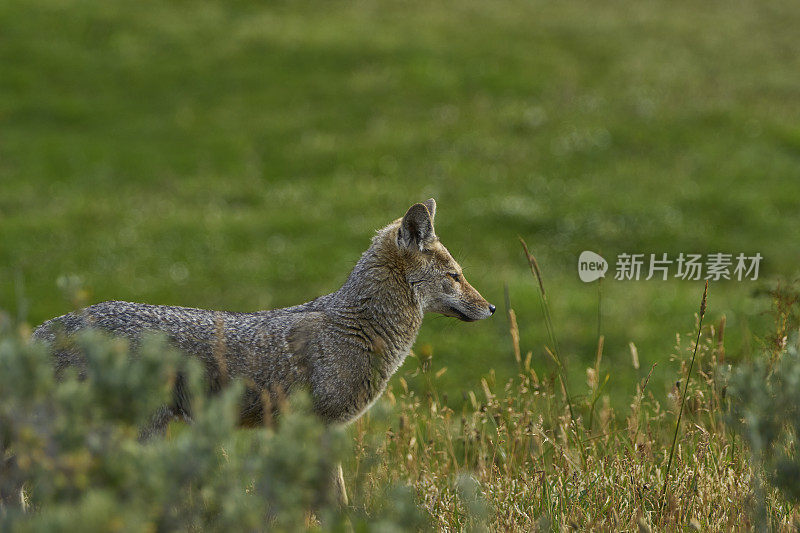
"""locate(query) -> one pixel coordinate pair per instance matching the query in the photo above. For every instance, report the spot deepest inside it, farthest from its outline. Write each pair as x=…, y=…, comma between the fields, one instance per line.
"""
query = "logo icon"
x=591, y=266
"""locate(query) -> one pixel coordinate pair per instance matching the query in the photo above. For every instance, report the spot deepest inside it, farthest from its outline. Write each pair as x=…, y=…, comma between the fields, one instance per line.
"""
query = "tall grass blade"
x=556, y=355
x=683, y=397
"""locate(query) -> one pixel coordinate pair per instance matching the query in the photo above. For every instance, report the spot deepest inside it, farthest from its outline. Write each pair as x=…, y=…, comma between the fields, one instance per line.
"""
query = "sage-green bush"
x=72, y=457
x=766, y=413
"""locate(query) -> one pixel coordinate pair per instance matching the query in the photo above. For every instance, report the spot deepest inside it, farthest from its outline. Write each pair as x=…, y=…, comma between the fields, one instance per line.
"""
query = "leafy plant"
x=72, y=457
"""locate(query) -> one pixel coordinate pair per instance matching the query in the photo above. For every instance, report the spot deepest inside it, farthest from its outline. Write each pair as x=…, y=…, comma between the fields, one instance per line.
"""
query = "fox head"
x=434, y=277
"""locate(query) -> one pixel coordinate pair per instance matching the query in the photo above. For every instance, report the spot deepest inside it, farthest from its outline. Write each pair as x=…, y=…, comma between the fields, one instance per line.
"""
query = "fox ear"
x=430, y=203
x=416, y=229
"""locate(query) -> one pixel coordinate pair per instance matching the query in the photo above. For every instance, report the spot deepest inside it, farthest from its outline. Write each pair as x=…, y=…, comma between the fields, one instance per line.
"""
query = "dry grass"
x=537, y=468
x=513, y=438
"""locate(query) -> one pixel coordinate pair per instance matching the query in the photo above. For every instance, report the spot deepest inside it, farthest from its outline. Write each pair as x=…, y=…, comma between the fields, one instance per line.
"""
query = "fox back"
x=343, y=347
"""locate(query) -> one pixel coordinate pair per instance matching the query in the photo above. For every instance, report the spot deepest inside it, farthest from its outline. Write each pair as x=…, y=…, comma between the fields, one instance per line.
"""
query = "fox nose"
x=491, y=308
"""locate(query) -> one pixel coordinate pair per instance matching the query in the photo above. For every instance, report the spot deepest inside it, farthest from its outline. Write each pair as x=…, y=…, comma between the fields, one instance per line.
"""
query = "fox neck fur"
x=377, y=292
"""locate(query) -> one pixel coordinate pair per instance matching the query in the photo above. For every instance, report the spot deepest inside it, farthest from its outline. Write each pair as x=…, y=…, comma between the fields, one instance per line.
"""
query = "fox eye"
x=456, y=277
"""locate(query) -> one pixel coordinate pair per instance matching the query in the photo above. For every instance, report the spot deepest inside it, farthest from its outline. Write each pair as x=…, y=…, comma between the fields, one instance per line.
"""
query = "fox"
x=341, y=347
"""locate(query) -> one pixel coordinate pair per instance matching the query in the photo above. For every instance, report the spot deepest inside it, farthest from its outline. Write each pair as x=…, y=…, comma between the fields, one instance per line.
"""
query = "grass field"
x=720, y=454
x=239, y=155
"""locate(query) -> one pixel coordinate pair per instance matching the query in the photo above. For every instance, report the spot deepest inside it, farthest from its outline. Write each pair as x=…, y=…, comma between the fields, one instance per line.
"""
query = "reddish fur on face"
x=426, y=266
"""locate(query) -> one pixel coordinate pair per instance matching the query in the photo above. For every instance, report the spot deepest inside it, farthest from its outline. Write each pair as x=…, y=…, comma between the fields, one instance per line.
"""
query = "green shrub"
x=766, y=413
x=71, y=456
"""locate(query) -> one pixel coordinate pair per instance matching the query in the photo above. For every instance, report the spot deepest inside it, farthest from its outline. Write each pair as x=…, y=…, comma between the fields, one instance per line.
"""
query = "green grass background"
x=238, y=155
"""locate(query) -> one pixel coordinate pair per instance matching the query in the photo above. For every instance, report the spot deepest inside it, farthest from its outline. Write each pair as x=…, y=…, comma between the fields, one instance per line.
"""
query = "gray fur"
x=343, y=347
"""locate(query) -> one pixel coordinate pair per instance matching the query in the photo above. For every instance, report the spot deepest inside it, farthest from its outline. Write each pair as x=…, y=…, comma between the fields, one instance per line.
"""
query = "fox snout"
x=472, y=308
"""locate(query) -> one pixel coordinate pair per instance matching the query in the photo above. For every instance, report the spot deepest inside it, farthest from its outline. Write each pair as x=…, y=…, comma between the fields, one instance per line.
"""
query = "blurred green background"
x=239, y=155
